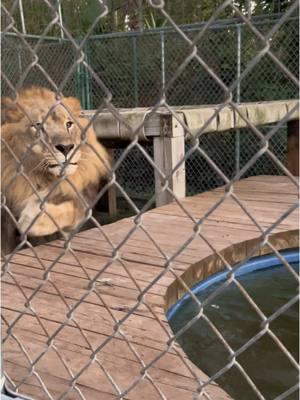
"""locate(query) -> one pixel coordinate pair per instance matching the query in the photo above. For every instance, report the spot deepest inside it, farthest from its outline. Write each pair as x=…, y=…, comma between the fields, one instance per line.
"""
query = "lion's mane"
x=20, y=180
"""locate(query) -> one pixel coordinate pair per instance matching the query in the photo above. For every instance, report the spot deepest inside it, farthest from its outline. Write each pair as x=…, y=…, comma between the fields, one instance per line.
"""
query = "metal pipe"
x=217, y=25
x=22, y=17
x=20, y=63
x=135, y=73
x=238, y=97
x=28, y=36
x=87, y=78
x=249, y=8
x=62, y=35
x=163, y=66
x=141, y=15
x=238, y=72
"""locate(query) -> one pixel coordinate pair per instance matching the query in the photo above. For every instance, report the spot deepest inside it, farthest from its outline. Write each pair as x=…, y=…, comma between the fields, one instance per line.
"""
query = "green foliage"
x=131, y=65
x=78, y=15
x=154, y=23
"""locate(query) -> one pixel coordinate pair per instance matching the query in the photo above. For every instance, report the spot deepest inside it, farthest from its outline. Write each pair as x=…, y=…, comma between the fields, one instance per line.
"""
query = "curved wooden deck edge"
x=233, y=255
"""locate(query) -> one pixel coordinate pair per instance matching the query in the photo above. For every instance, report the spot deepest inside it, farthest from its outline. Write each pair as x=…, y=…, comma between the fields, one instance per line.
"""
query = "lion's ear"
x=73, y=104
x=10, y=111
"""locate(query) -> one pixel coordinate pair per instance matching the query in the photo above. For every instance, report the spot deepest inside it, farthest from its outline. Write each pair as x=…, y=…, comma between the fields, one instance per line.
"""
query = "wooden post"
x=293, y=146
x=112, y=193
x=168, y=151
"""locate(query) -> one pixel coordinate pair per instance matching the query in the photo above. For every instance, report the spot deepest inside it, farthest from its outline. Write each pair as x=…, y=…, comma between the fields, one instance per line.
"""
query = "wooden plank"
x=78, y=357
x=71, y=339
x=142, y=273
x=265, y=197
x=112, y=192
x=168, y=151
x=71, y=334
x=107, y=127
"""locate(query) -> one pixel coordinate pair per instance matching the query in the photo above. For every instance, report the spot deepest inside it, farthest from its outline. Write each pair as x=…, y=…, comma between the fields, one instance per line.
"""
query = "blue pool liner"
x=253, y=265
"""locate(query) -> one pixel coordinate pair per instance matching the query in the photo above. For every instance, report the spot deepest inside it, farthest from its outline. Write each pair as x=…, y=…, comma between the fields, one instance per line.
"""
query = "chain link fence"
x=136, y=66
x=137, y=176
x=211, y=63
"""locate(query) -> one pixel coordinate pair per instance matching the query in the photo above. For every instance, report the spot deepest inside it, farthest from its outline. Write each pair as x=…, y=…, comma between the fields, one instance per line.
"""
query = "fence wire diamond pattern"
x=64, y=73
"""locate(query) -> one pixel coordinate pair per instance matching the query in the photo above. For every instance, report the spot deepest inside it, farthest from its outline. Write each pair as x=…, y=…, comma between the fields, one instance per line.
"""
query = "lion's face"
x=57, y=150
x=49, y=133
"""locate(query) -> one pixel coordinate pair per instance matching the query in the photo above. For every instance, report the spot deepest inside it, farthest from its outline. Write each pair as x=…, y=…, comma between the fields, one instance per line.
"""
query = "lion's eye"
x=69, y=124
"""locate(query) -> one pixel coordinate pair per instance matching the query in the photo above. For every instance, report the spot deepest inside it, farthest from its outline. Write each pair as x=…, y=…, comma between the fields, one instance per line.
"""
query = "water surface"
x=265, y=363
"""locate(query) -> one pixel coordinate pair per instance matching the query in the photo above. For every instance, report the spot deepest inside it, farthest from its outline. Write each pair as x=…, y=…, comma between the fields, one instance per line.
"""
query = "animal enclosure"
x=201, y=126
x=136, y=66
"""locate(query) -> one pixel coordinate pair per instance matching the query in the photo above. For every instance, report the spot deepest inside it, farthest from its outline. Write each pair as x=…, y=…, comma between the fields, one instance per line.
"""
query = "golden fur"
x=45, y=137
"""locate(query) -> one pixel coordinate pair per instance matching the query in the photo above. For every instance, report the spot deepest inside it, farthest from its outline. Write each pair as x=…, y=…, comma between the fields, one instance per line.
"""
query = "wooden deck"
x=117, y=291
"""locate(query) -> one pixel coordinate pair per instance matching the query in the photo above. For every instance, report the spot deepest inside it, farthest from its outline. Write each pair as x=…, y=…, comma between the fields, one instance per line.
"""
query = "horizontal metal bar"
x=37, y=37
x=218, y=24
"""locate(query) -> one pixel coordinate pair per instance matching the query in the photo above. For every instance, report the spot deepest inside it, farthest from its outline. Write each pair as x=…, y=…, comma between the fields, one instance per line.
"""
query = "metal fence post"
x=77, y=83
x=86, y=77
x=163, y=65
x=135, y=72
x=22, y=17
x=62, y=35
x=78, y=79
x=238, y=97
x=20, y=62
x=82, y=80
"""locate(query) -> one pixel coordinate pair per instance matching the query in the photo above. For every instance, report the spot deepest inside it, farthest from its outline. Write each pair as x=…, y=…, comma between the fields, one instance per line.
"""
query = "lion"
x=52, y=164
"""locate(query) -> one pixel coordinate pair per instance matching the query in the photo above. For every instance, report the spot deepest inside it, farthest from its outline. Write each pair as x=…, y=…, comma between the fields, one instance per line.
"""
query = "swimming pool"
x=271, y=286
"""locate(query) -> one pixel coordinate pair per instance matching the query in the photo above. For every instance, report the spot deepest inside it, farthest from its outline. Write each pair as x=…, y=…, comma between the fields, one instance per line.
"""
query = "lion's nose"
x=64, y=148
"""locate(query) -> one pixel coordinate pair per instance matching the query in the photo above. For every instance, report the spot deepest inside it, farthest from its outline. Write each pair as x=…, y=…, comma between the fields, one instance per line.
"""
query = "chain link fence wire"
x=96, y=69
x=137, y=176
x=16, y=57
x=135, y=66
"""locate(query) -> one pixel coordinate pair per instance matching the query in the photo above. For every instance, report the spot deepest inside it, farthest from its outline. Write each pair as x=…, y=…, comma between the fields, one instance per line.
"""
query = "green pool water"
x=265, y=363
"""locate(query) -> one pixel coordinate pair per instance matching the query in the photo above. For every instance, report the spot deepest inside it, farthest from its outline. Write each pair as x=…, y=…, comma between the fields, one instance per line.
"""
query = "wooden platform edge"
x=233, y=255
